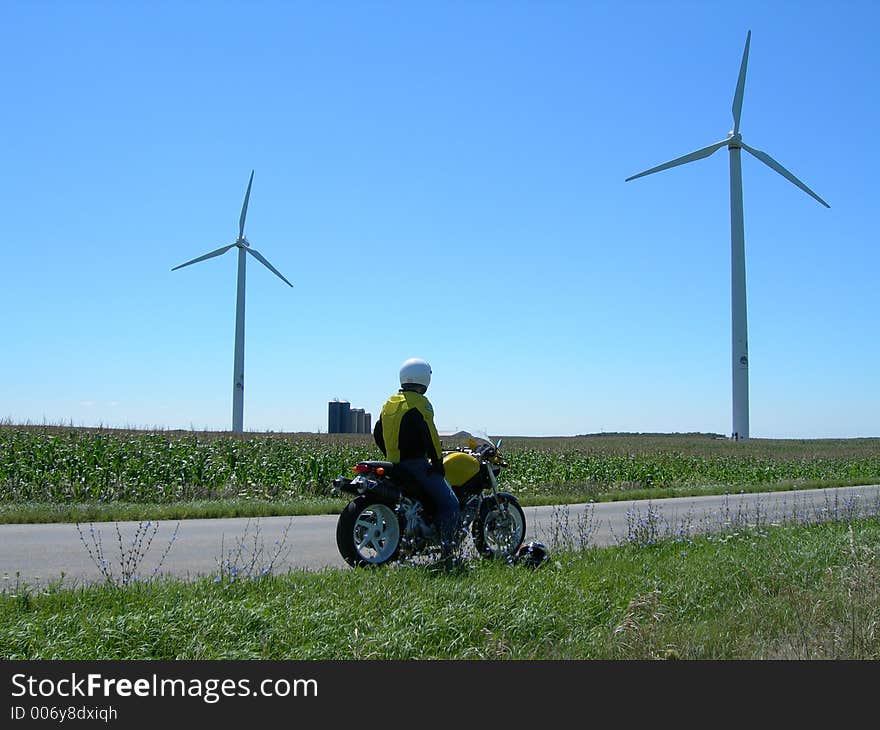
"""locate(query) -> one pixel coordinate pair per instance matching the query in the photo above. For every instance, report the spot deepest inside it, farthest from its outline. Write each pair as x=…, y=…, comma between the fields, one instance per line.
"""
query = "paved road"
x=41, y=553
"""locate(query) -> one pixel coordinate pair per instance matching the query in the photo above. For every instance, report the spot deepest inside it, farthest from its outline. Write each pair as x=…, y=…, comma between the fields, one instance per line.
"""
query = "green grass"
x=48, y=512
x=779, y=592
x=44, y=512
x=53, y=473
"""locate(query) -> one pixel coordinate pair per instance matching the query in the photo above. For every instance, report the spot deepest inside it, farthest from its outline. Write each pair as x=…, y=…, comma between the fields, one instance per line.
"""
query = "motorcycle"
x=389, y=518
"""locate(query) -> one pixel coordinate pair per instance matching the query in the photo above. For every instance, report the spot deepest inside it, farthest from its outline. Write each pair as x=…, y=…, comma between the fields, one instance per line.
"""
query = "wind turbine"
x=244, y=247
x=739, y=339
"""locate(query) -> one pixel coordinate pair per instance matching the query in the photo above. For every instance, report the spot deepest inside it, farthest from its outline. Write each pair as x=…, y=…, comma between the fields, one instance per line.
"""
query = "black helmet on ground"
x=532, y=554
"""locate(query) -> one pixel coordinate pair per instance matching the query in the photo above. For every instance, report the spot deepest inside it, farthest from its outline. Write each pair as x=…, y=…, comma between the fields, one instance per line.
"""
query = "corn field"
x=70, y=465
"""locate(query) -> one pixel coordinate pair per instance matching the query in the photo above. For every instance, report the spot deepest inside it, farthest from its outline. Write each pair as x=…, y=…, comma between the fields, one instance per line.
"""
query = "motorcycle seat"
x=388, y=466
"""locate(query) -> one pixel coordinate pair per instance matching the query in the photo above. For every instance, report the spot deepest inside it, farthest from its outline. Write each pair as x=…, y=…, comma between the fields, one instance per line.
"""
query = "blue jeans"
x=439, y=492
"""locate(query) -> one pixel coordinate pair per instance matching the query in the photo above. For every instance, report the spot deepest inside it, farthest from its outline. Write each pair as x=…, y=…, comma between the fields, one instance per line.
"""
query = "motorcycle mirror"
x=498, y=445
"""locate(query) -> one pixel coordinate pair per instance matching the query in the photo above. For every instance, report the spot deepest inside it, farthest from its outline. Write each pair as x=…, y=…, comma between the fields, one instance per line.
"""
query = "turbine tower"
x=739, y=339
x=244, y=248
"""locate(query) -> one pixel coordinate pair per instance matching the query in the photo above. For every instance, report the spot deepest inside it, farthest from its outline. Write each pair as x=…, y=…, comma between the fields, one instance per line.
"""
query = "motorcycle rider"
x=406, y=435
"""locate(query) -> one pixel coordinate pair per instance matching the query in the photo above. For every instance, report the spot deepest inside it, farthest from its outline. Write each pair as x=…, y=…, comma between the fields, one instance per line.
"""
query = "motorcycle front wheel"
x=498, y=533
x=367, y=533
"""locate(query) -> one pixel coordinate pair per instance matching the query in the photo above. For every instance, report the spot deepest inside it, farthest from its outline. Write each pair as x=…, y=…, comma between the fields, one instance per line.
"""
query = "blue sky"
x=441, y=180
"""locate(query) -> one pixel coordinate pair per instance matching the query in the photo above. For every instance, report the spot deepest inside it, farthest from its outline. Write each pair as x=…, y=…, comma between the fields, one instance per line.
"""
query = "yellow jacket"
x=405, y=429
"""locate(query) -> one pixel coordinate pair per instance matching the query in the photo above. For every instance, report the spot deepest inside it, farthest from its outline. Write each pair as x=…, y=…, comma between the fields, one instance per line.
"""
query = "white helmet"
x=415, y=371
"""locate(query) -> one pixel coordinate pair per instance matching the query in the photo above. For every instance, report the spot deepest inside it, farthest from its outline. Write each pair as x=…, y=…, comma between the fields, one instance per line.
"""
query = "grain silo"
x=333, y=424
x=344, y=416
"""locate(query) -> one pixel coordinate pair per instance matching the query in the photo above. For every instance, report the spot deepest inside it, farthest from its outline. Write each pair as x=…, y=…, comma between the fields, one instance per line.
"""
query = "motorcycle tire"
x=499, y=535
x=368, y=533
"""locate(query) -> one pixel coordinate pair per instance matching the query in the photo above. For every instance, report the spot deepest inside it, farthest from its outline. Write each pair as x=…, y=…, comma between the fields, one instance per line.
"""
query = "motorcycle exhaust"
x=380, y=490
x=342, y=484
x=384, y=491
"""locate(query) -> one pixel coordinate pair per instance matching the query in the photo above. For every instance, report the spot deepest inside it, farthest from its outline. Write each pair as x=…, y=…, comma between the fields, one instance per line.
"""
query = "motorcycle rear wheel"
x=499, y=533
x=368, y=533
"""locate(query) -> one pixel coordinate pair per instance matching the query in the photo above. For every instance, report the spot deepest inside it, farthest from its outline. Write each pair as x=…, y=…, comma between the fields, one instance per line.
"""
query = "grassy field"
x=789, y=592
x=750, y=590
x=51, y=473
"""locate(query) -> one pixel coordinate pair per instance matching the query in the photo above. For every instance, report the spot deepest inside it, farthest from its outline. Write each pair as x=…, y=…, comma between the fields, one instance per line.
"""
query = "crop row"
x=78, y=465
x=673, y=469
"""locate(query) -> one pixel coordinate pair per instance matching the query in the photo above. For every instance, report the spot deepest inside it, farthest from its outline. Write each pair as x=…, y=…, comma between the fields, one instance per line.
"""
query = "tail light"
x=363, y=468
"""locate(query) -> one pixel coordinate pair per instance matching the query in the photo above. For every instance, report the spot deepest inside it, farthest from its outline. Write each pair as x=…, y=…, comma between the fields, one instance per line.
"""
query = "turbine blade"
x=698, y=155
x=211, y=255
x=774, y=165
x=247, y=196
x=741, y=86
x=259, y=257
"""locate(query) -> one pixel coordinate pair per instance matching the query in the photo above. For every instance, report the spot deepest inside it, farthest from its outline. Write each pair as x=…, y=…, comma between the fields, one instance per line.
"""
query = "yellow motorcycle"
x=390, y=519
